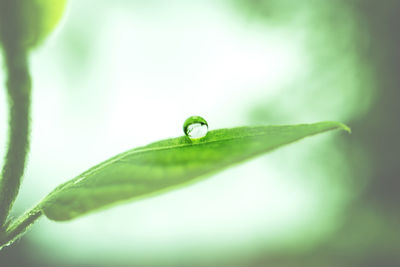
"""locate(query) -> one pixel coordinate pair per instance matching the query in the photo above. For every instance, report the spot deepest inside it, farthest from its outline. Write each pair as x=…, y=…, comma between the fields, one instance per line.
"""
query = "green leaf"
x=166, y=164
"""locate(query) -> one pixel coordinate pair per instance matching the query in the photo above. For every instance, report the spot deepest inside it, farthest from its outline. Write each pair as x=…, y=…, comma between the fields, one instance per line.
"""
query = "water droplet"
x=195, y=127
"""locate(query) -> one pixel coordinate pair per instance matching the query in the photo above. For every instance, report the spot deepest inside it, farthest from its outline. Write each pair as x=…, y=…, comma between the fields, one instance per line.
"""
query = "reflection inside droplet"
x=195, y=127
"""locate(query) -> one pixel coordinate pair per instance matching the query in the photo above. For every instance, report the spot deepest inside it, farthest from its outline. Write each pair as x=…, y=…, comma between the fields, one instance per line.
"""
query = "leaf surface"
x=166, y=164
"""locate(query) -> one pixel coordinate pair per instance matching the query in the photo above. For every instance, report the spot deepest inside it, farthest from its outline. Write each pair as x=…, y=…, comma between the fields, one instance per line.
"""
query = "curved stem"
x=18, y=227
x=19, y=94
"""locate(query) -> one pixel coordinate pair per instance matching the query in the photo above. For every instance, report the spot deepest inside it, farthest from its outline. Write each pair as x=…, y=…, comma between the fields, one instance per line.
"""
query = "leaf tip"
x=345, y=127
x=341, y=126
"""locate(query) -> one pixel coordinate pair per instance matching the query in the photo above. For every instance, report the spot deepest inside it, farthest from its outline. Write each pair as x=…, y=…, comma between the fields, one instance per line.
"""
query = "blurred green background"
x=120, y=74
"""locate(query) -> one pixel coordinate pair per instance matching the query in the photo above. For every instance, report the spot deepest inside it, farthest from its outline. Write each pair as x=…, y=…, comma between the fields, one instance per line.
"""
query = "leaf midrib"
x=152, y=149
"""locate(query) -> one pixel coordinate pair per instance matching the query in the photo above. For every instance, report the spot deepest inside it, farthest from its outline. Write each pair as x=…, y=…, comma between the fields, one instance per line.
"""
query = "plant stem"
x=19, y=96
x=19, y=227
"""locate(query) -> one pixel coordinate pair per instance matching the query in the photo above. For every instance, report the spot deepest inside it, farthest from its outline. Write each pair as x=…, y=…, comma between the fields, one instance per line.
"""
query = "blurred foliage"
x=29, y=22
x=335, y=77
x=349, y=72
x=355, y=55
